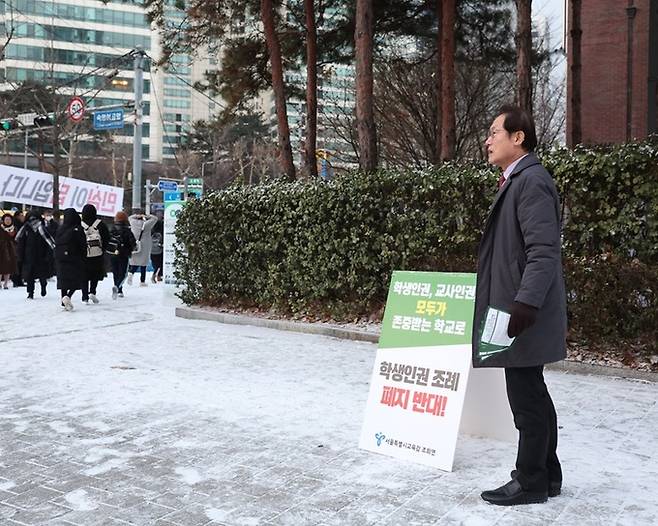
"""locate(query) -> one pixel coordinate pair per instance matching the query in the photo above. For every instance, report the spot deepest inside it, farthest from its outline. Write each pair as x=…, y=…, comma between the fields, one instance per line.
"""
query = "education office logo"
x=380, y=437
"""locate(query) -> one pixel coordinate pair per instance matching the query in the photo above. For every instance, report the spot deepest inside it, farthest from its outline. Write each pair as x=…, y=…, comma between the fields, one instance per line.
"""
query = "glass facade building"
x=80, y=47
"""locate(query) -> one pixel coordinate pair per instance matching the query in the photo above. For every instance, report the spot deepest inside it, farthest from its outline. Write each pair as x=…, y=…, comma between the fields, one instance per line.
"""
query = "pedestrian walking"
x=17, y=278
x=120, y=247
x=70, y=255
x=141, y=226
x=51, y=223
x=98, y=237
x=8, y=265
x=520, y=272
x=35, y=252
x=157, y=249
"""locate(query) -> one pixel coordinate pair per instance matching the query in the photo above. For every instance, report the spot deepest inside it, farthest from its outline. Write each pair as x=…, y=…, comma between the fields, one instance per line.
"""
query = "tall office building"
x=336, y=103
x=82, y=47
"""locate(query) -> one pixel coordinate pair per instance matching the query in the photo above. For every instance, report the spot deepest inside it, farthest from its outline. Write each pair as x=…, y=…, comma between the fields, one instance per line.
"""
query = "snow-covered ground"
x=121, y=413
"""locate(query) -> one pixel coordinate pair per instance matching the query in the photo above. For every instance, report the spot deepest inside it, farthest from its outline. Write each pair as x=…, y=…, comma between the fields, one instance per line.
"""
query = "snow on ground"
x=121, y=413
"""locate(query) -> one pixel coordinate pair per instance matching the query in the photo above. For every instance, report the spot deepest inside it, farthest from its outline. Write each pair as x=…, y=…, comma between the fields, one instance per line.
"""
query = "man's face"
x=503, y=148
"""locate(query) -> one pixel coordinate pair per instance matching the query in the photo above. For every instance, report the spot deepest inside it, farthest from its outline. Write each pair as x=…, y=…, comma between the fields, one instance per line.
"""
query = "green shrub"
x=318, y=248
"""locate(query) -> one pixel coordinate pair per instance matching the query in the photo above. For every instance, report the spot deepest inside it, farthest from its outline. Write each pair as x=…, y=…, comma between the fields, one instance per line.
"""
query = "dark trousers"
x=89, y=287
x=30, y=285
x=16, y=279
x=119, y=268
x=142, y=271
x=156, y=261
x=68, y=293
x=536, y=421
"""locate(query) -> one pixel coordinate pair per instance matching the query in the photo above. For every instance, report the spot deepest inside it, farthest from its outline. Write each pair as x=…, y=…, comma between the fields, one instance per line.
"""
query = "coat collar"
x=529, y=160
x=524, y=163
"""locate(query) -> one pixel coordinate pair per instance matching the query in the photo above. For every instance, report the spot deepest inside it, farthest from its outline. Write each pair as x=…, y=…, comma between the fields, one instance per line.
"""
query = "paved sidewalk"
x=121, y=413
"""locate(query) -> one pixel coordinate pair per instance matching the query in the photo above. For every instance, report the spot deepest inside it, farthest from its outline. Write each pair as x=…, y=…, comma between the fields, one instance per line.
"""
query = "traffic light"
x=44, y=120
x=9, y=124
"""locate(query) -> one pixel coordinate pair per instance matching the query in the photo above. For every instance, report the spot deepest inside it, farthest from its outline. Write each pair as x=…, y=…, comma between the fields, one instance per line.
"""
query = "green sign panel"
x=428, y=309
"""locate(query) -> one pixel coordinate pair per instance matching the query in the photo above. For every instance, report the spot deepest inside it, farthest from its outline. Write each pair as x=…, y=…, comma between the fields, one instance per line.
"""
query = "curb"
x=196, y=313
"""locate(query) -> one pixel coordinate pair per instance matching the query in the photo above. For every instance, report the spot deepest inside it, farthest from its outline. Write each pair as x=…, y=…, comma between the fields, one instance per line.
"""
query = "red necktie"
x=501, y=181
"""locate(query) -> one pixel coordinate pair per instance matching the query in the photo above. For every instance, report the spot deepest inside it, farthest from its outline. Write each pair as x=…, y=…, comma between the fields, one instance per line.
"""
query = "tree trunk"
x=71, y=157
x=56, y=159
x=575, y=133
x=524, y=54
x=114, y=167
x=439, y=83
x=448, y=79
x=274, y=48
x=365, y=119
x=311, y=90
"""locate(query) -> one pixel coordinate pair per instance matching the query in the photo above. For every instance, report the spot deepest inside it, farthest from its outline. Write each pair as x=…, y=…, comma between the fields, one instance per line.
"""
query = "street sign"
x=26, y=119
x=75, y=109
x=167, y=186
x=108, y=119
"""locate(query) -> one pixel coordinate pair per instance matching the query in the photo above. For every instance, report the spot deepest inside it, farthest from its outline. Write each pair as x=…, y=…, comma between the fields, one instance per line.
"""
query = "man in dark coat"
x=520, y=273
x=70, y=254
x=35, y=252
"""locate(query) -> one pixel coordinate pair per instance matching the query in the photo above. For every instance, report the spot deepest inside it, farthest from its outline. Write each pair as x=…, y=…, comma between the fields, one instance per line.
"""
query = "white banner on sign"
x=172, y=209
x=36, y=188
x=416, y=416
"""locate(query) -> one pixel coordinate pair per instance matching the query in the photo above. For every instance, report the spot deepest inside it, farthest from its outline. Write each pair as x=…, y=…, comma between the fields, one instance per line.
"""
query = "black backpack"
x=115, y=245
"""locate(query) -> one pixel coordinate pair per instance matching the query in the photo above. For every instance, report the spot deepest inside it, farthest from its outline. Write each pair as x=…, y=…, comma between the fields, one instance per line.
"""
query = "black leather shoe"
x=512, y=494
x=554, y=486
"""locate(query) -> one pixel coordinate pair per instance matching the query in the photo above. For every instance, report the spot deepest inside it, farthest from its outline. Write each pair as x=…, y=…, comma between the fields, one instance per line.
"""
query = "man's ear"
x=519, y=137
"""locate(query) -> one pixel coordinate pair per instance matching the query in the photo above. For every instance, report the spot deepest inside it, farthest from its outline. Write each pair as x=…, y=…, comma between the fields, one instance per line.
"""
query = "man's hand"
x=522, y=316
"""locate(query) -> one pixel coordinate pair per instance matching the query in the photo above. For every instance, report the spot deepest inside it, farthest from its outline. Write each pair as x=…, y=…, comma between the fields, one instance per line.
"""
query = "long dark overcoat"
x=70, y=252
x=519, y=259
x=36, y=256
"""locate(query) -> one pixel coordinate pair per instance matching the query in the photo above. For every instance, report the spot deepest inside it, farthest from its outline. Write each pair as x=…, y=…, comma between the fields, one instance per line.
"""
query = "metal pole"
x=25, y=156
x=185, y=188
x=137, y=134
x=147, y=207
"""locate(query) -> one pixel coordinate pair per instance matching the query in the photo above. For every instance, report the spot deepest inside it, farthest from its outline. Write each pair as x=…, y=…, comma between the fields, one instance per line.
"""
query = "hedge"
x=328, y=248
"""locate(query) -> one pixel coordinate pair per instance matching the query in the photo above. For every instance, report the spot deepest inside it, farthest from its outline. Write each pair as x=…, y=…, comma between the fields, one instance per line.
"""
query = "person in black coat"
x=70, y=255
x=122, y=244
x=51, y=223
x=35, y=252
x=17, y=278
x=98, y=237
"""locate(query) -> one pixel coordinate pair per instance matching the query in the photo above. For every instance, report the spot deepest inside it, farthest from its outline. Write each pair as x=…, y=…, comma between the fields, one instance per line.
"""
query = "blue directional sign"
x=108, y=119
x=167, y=186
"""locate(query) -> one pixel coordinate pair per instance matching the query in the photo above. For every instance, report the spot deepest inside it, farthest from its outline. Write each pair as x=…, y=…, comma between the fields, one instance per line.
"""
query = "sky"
x=554, y=11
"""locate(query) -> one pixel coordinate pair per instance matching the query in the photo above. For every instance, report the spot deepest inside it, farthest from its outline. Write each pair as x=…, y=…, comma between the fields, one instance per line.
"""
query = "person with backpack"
x=120, y=247
x=157, y=242
x=141, y=226
x=98, y=237
x=70, y=255
x=35, y=248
